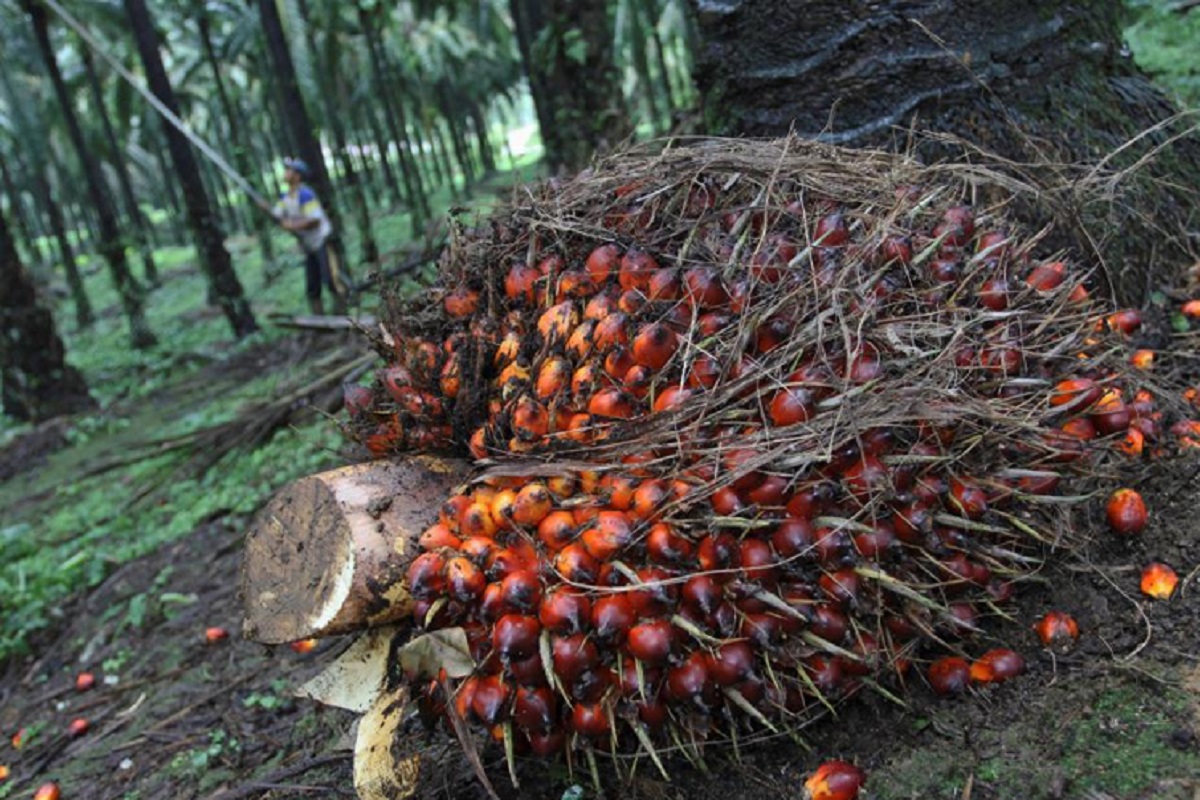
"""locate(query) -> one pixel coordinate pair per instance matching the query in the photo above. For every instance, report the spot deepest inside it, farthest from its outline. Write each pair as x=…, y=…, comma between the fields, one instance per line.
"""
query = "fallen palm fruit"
x=835, y=780
x=4, y=772
x=1159, y=581
x=18, y=739
x=215, y=634
x=47, y=791
x=78, y=727
x=743, y=458
x=1057, y=630
x=84, y=681
x=1126, y=512
x=303, y=646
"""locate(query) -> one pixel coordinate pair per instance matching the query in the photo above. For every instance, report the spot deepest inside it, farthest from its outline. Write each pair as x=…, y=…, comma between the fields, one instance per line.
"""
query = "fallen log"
x=327, y=555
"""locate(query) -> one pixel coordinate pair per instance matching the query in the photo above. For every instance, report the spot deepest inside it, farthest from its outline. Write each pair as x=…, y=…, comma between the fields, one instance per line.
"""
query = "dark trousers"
x=322, y=267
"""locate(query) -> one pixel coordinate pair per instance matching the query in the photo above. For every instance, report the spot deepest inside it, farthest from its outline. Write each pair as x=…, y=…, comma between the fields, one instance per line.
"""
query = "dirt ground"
x=174, y=717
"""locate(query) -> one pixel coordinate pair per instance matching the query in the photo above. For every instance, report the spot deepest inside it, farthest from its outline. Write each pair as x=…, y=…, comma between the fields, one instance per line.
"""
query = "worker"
x=299, y=212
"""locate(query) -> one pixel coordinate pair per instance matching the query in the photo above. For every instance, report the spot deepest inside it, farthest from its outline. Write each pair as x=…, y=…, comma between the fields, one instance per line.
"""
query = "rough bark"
x=84, y=317
x=1032, y=81
x=328, y=553
x=218, y=266
x=110, y=241
x=567, y=49
x=36, y=383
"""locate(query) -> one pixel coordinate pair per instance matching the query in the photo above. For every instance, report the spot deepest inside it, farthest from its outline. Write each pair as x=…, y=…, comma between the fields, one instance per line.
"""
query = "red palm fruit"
x=551, y=264
x=997, y=666
x=1079, y=429
x=950, y=675
x=638, y=380
x=702, y=593
x=603, y=262
x=607, y=535
x=576, y=565
x=957, y=226
x=356, y=400
x=825, y=673
x=618, y=362
x=479, y=549
x=611, y=403
x=637, y=268
x=424, y=576
x=557, y=530
x=599, y=307
x=727, y=502
x=731, y=663
x=992, y=246
x=464, y=580
x=828, y=623
x=1078, y=394
x=876, y=543
x=831, y=231
x=535, y=709
x=654, y=345
x=548, y=743
x=994, y=294
x=464, y=697
x=666, y=547
x=770, y=493
x=718, y=552
x=552, y=377
x=791, y=406
x=665, y=284
x=618, y=490
x=84, y=681
x=530, y=419
x=585, y=514
x=671, y=398
x=612, y=617
x=771, y=334
x=1158, y=580
x=1057, y=630
x=573, y=655
x=520, y=283
x=557, y=322
x=758, y=562
x=452, y=510
x=78, y=727
x=515, y=636
x=945, y=270
x=1110, y=414
x=504, y=561
x=658, y=593
x=533, y=503
x=913, y=522
x=896, y=249
x=461, y=303
x=47, y=791
x=967, y=499
x=653, y=713
x=1001, y=360
x=476, y=520
x=865, y=365
x=793, y=537
x=521, y=591
x=651, y=642
x=501, y=507
x=438, y=536
x=841, y=586
x=1047, y=277
x=591, y=720
x=866, y=477
x=527, y=671
x=703, y=288
x=1126, y=512
x=1126, y=321
x=764, y=630
x=489, y=701
x=961, y=618
x=565, y=610
x=397, y=381
x=611, y=331
x=835, y=780
x=576, y=283
x=585, y=381
x=649, y=499
x=809, y=501
x=582, y=340
x=690, y=682
x=705, y=373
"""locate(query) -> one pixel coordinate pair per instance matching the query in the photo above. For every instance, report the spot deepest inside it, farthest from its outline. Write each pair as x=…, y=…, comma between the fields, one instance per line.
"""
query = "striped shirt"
x=304, y=205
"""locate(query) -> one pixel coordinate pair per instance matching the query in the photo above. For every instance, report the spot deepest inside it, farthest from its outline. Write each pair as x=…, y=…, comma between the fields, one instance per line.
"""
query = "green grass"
x=1166, y=44
x=60, y=533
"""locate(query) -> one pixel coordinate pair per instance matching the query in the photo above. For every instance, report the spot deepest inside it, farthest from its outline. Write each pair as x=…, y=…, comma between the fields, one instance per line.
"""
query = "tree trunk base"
x=328, y=553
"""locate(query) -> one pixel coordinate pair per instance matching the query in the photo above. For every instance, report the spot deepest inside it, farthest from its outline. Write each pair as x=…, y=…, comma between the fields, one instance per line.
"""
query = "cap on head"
x=298, y=165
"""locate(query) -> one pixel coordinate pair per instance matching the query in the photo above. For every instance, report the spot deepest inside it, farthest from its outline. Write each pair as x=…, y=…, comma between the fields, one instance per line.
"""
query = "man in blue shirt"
x=299, y=212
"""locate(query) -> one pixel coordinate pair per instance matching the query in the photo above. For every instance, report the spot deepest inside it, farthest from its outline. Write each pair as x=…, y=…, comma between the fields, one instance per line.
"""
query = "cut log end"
x=327, y=554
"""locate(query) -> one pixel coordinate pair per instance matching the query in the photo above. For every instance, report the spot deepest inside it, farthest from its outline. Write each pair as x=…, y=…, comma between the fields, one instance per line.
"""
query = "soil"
x=173, y=716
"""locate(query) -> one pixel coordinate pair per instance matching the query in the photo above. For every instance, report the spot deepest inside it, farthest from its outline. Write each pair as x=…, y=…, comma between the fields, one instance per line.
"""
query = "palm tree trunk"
x=649, y=9
x=381, y=154
x=132, y=211
x=21, y=221
x=487, y=155
x=111, y=243
x=218, y=267
x=84, y=317
x=36, y=383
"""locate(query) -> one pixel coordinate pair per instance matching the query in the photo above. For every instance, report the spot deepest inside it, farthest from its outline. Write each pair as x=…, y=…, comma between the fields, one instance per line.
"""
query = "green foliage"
x=1166, y=43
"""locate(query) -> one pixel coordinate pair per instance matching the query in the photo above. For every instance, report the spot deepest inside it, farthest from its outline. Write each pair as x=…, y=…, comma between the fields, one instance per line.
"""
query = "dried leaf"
x=442, y=649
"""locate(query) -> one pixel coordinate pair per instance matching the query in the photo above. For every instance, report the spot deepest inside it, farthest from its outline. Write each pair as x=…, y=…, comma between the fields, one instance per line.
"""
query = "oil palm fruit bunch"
x=759, y=426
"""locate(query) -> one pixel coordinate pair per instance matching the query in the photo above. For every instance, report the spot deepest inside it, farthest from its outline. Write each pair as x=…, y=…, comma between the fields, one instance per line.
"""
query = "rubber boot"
x=340, y=308
x=316, y=307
